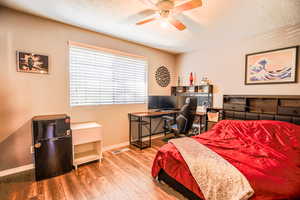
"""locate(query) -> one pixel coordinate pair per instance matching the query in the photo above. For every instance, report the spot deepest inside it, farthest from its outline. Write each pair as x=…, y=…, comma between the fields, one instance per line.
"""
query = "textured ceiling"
x=216, y=21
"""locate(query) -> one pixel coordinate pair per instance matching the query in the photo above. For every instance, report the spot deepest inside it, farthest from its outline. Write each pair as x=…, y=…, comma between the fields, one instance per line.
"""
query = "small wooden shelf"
x=87, y=156
x=203, y=92
x=179, y=90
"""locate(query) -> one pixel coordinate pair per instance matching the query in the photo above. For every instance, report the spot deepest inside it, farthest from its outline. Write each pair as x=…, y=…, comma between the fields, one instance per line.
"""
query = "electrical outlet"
x=31, y=149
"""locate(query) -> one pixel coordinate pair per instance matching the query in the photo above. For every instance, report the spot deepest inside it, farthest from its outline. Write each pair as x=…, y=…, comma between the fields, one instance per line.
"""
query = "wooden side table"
x=199, y=124
x=210, y=124
x=84, y=136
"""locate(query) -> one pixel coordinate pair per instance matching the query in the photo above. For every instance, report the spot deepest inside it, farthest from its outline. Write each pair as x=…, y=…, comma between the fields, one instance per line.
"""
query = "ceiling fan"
x=166, y=9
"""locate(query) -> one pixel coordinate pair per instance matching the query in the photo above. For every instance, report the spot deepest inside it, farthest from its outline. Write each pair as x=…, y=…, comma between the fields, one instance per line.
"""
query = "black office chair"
x=184, y=120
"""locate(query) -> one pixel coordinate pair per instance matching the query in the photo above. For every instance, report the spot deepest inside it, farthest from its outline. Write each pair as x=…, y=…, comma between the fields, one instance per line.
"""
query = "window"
x=99, y=76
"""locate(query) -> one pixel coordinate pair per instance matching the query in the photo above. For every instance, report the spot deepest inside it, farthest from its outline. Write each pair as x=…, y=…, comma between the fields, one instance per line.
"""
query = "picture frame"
x=32, y=62
x=276, y=66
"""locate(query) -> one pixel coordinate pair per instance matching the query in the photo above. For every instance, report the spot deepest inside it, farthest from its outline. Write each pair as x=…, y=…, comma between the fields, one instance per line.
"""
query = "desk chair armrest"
x=168, y=118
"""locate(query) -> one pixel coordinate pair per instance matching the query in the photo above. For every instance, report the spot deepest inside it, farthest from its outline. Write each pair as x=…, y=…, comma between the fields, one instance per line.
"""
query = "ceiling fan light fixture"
x=166, y=10
x=164, y=23
x=164, y=13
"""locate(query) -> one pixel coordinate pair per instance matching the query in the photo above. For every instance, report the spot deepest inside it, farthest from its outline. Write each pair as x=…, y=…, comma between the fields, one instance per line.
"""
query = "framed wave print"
x=272, y=67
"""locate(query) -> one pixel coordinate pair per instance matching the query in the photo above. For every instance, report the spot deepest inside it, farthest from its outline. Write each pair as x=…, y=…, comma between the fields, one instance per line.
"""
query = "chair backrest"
x=186, y=115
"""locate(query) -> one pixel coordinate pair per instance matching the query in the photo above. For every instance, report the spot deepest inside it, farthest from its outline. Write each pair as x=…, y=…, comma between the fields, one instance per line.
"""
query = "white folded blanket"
x=216, y=177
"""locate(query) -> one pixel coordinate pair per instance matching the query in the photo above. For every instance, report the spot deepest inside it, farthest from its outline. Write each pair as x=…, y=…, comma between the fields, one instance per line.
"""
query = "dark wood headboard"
x=262, y=107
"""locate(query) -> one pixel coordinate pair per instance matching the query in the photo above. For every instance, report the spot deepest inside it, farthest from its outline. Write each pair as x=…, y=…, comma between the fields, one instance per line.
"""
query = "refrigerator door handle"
x=59, y=138
x=54, y=139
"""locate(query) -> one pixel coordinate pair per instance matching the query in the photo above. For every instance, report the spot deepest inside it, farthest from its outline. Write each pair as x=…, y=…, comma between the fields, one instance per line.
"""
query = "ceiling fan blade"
x=147, y=12
x=180, y=26
x=148, y=3
x=140, y=15
x=187, y=6
x=146, y=21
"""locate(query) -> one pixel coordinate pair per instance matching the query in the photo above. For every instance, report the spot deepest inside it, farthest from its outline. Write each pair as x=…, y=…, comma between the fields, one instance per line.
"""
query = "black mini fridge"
x=52, y=139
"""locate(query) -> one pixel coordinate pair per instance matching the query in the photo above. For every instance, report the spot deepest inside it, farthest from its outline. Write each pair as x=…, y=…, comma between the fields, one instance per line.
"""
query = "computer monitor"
x=167, y=102
x=162, y=102
x=180, y=101
x=153, y=102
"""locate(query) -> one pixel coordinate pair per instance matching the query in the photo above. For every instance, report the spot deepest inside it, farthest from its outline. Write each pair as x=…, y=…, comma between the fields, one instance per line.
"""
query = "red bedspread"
x=266, y=152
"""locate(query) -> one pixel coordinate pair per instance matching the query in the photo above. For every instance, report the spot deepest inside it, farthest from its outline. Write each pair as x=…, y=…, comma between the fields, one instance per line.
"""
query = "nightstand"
x=87, y=142
x=215, y=119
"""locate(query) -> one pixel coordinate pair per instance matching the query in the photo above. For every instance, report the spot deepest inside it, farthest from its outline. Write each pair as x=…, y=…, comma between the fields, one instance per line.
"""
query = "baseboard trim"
x=16, y=170
x=123, y=144
x=31, y=166
x=114, y=146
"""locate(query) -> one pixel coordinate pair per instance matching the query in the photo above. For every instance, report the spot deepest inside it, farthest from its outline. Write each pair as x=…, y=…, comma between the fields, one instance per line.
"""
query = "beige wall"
x=23, y=95
x=224, y=64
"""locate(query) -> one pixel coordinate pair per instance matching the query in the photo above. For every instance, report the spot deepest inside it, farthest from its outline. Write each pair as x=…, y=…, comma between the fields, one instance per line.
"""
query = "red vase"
x=191, y=79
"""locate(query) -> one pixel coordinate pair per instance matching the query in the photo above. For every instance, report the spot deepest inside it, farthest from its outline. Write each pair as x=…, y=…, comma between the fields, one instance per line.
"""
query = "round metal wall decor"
x=162, y=76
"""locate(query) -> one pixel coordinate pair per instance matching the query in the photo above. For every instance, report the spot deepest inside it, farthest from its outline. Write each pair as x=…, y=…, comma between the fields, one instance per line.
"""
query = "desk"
x=143, y=121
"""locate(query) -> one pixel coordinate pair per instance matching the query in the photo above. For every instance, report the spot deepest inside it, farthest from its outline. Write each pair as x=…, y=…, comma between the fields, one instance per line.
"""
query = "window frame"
x=110, y=51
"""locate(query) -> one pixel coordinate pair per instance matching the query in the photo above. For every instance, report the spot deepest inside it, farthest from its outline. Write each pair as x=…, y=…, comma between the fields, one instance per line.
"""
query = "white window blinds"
x=101, y=77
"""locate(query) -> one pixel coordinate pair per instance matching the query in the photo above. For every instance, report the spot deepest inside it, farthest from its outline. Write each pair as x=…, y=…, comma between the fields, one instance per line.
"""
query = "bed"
x=266, y=152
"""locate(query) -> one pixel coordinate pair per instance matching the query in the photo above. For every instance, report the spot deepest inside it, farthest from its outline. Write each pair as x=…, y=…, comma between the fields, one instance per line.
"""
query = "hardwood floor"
x=124, y=176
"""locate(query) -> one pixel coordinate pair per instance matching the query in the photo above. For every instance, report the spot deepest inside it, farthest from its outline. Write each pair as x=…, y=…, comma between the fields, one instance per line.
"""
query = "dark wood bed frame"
x=248, y=107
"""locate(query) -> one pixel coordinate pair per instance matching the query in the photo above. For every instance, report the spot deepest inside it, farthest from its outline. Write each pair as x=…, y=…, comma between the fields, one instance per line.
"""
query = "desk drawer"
x=82, y=136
